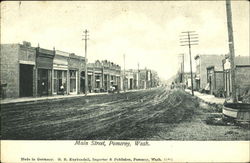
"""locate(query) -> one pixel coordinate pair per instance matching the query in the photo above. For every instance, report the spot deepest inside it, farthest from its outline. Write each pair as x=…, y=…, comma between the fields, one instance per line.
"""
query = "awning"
x=27, y=62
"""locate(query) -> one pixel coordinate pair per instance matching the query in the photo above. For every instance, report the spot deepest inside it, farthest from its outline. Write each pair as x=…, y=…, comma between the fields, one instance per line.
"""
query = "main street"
x=146, y=114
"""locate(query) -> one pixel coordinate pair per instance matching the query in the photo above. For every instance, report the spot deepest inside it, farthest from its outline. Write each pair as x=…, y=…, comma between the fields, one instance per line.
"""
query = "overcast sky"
x=146, y=32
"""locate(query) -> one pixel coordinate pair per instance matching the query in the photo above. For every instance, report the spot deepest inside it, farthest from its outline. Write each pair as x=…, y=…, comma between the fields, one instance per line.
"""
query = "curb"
x=217, y=105
x=48, y=99
x=37, y=101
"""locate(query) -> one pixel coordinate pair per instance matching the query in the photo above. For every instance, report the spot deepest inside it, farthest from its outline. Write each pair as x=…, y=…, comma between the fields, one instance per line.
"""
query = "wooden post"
x=231, y=48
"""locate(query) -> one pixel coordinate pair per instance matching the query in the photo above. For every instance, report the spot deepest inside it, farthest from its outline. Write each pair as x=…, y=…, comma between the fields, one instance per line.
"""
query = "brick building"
x=242, y=75
x=29, y=71
x=202, y=62
x=103, y=75
x=18, y=70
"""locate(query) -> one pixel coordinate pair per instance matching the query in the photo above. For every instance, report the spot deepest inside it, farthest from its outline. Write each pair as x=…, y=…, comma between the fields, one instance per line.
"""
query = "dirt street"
x=156, y=114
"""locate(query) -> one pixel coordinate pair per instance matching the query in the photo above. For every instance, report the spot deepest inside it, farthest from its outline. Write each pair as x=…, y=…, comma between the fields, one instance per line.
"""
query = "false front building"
x=44, y=65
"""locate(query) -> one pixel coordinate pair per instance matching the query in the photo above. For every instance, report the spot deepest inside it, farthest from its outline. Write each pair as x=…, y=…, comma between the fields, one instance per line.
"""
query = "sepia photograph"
x=117, y=73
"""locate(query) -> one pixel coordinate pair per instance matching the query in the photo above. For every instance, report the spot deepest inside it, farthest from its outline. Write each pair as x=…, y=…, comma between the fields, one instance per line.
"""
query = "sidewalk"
x=55, y=97
x=208, y=98
x=44, y=98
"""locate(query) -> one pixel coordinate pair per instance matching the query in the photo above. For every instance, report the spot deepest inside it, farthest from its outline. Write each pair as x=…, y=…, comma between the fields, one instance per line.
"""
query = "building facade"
x=60, y=73
x=202, y=62
x=44, y=66
x=34, y=71
x=103, y=76
x=18, y=70
x=242, y=75
x=129, y=79
x=215, y=80
x=76, y=72
x=145, y=78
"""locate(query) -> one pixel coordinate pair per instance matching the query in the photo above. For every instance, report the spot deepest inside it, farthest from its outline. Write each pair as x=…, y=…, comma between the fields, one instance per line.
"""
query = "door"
x=43, y=79
x=131, y=84
x=82, y=82
x=26, y=80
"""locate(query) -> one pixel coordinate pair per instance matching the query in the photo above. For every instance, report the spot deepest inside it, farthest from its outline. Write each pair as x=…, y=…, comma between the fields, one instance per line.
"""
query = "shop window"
x=97, y=77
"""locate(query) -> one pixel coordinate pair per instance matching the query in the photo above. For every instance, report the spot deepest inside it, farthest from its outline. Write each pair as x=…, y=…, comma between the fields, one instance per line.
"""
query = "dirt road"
x=126, y=116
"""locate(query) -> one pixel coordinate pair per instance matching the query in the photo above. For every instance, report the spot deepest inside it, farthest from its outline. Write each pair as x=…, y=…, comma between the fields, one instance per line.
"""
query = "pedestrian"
x=62, y=89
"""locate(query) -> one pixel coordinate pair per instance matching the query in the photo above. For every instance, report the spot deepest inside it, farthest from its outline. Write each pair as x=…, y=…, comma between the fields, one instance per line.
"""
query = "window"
x=97, y=77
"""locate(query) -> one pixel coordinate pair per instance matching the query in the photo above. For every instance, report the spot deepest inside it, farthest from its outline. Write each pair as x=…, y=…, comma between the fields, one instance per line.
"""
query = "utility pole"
x=231, y=48
x=181, y=59
x=188, y=39
x=124, y=78
x=86, y=61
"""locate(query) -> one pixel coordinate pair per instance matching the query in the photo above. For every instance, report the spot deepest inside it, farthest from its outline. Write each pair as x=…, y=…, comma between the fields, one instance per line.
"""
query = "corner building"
x=18, y=70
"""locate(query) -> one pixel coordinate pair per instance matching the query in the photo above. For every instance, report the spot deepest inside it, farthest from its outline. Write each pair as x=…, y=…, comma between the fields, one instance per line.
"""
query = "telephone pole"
x=86, y=61
x=181, y=59
x=189, y=38
x=231, y=48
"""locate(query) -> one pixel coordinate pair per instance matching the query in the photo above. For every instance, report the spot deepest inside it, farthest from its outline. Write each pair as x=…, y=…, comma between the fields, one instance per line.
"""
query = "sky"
x=146, y=32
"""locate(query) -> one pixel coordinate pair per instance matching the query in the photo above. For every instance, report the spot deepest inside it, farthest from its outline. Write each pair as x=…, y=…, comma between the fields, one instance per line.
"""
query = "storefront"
x=98, y=81
x=60, y=73
x=76, y=66
x=27, y=70
x=44, y=62
x=73, y=81
x=82, y=82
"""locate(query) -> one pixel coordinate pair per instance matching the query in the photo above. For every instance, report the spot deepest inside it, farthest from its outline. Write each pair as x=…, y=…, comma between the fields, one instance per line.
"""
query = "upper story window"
x=72, y=74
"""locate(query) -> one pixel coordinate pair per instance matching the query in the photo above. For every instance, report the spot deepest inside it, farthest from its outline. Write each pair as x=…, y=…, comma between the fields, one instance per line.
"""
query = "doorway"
x=26, y=80
x=43, y=79
x=130, y=83
x=82, y=82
